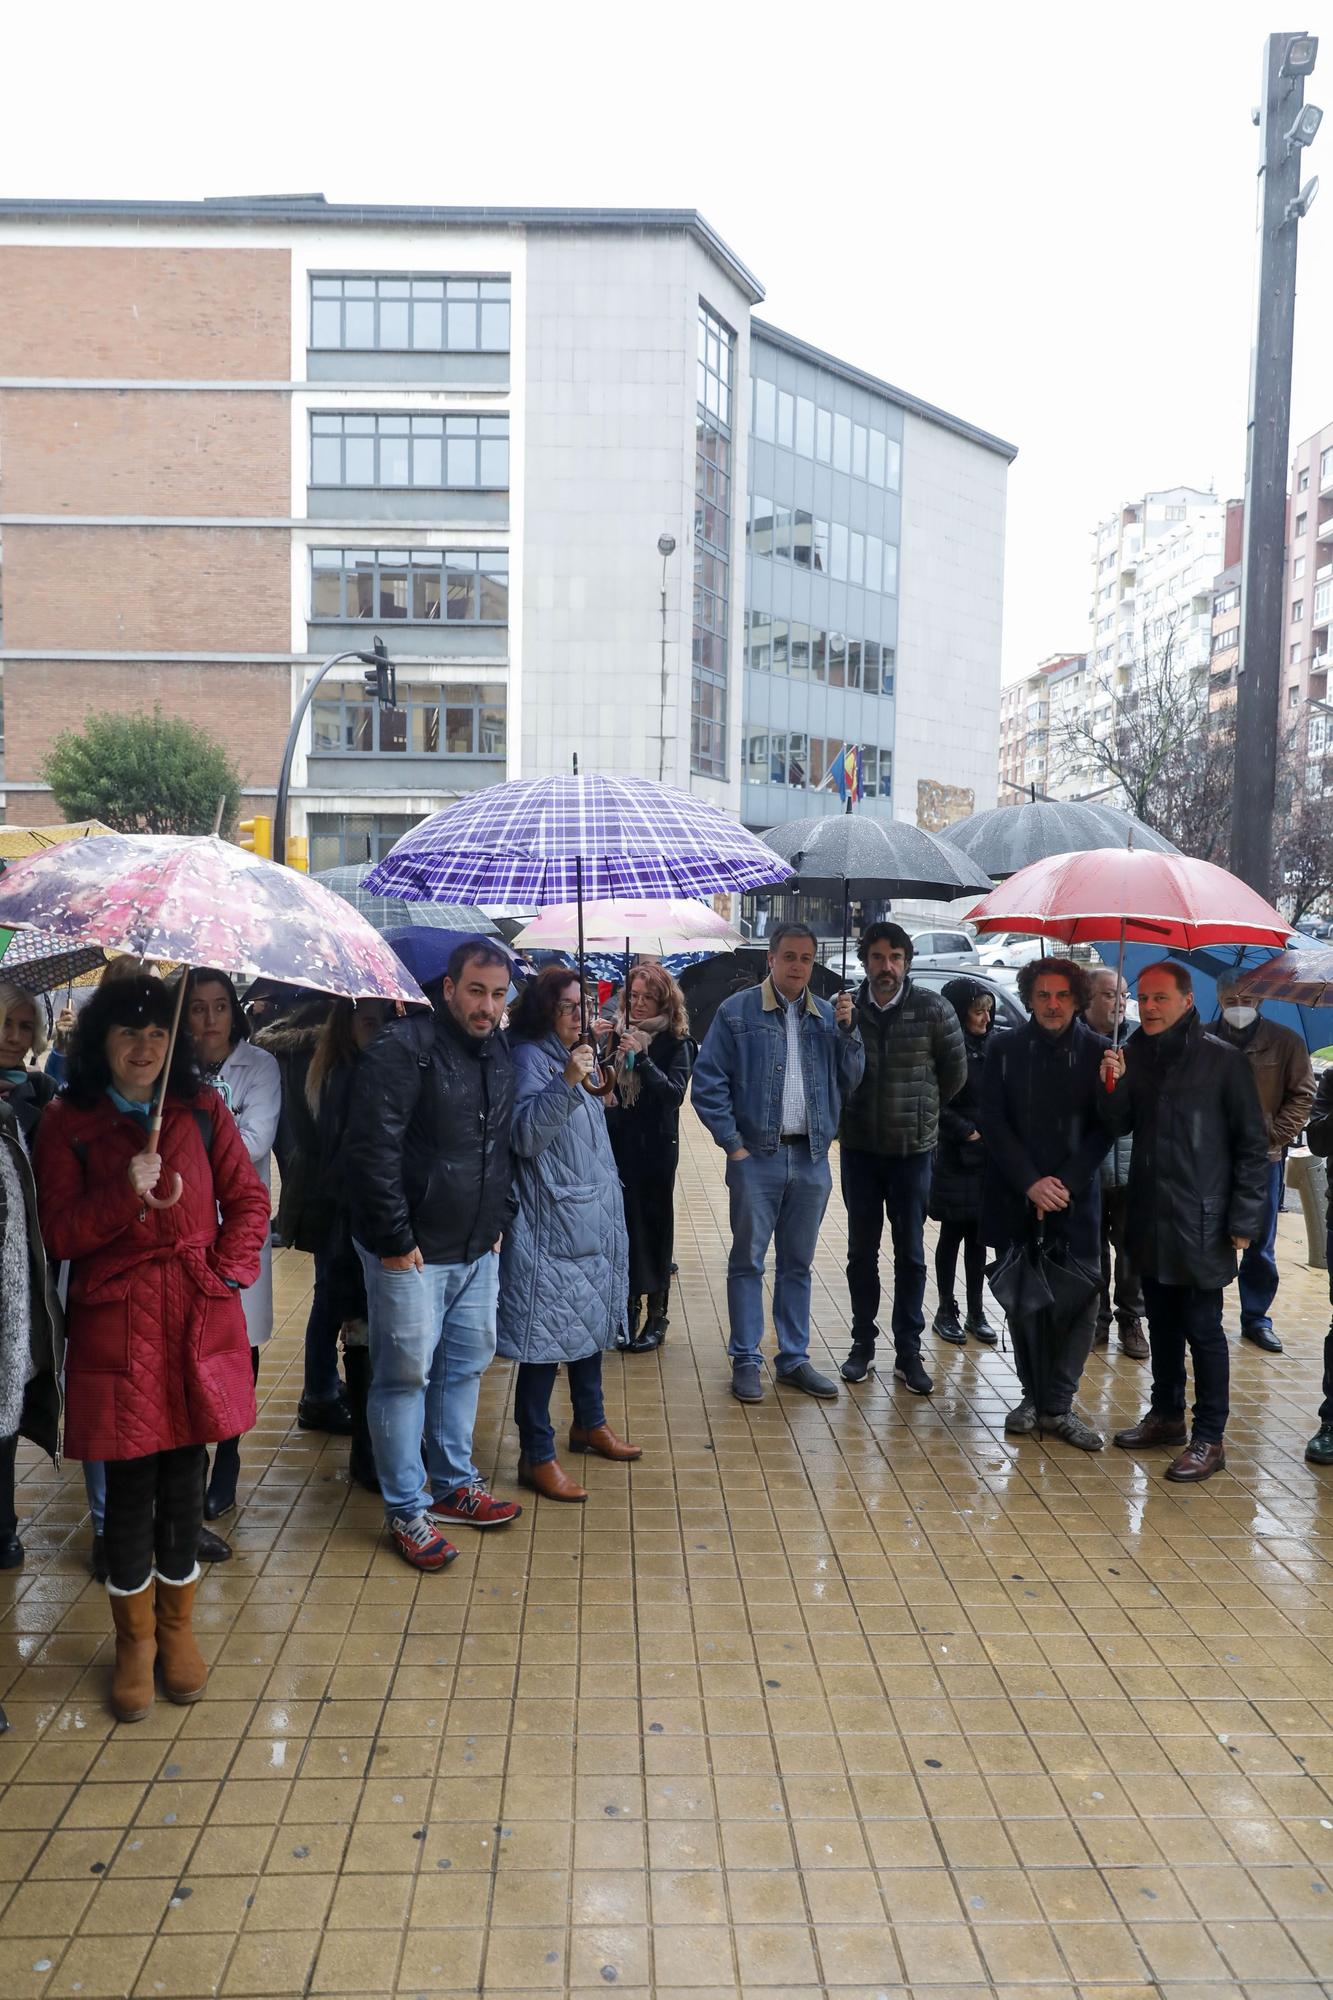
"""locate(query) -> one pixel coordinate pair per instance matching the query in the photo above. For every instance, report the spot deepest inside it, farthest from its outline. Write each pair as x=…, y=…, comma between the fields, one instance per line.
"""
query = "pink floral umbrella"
x=201, y=902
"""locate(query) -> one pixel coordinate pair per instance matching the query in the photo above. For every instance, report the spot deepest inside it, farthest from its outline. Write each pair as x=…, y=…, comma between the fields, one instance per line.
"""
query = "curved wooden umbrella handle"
x=169, y=1200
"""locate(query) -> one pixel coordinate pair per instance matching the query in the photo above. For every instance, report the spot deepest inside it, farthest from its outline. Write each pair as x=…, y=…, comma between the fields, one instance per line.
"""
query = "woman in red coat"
x=158, y=1362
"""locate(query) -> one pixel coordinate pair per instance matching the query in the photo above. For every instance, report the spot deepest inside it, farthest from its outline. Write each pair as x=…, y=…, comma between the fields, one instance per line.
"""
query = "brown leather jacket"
x=1280, y=1065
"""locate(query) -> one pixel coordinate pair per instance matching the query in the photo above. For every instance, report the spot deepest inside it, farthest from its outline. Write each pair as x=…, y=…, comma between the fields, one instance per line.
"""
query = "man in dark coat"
x=1198, y=1187
x=915, y=1062
x=1044, y=1145
x=428, y=1176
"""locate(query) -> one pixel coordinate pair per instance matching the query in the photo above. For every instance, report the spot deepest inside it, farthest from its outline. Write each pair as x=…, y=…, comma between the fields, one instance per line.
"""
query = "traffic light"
x=380, y=677
x=256, y=834
x=298, y=853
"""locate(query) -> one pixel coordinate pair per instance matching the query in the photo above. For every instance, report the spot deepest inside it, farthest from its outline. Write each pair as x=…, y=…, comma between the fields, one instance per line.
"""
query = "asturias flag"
x=847, y=773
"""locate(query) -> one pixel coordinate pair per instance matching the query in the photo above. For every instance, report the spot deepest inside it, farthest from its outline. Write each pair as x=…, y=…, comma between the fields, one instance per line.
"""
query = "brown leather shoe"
x=136, y=1649
x=1134, y=1341
x=1150, y=1430
x=550, y=1480
x=603, y=1440
x=183, y=1667
x=1199, y=1460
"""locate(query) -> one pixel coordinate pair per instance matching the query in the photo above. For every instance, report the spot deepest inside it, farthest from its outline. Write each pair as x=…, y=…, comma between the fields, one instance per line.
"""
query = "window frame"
x=377, y=299
x=416, y=561
x=414, y=698
x=419, y=424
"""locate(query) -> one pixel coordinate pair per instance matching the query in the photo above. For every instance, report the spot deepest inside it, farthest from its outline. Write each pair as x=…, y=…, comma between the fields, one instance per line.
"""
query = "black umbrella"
x=1034, y=1283
x=1008, y=838
x=869, y=857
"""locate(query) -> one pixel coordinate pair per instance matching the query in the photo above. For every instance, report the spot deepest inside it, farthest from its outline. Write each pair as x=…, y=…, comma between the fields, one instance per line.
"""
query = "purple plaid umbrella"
x=559, y=840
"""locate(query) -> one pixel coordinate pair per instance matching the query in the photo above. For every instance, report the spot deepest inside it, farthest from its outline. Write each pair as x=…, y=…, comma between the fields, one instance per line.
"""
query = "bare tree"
x=1304, y=822
x=1155, y=748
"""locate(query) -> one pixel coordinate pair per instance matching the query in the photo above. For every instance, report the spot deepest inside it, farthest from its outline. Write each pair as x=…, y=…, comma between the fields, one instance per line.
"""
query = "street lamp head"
x=1304, y=126
x=1300, y=57
x=666, y=546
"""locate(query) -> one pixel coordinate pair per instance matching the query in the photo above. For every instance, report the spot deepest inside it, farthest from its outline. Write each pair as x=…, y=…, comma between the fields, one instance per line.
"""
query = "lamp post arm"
x=293, y=734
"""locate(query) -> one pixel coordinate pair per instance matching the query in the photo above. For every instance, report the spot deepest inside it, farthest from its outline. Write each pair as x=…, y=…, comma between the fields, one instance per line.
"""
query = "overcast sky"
x=1040, y=217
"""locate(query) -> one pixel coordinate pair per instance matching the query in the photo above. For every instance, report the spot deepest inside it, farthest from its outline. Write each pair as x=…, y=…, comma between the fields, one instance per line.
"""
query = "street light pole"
x=1285, y=130
x=666, y=548
x=386, y=693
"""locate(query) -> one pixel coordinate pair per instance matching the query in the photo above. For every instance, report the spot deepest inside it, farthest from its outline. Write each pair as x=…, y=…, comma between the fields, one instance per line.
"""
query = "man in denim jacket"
x=769, y=1084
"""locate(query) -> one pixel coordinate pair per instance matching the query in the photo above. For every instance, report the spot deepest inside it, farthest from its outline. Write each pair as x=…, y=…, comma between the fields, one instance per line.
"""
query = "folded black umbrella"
x=1043, y=1288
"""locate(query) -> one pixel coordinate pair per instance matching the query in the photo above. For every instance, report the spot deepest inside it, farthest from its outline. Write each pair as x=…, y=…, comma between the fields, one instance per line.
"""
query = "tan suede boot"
x=136, y=1649
x=184, y=1670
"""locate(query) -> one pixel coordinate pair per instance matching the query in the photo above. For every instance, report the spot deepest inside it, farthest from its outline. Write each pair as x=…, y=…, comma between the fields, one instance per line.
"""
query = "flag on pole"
x=845, y=771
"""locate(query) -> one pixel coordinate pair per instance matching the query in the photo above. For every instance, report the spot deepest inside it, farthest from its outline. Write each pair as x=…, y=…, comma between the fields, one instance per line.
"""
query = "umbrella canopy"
x=1305, y=977
x=426, y=950
x=39, y=960
x=547, y=840
x=865, y=857
x=1309, y=1019
x=391, y=913
x=202, y=902
x=1159, y=899
x=662, y=927
x=17, y=842
x=1007, y=838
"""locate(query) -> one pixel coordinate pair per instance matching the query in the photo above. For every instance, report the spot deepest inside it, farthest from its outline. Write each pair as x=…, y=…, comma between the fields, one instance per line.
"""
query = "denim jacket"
x=737, y=1089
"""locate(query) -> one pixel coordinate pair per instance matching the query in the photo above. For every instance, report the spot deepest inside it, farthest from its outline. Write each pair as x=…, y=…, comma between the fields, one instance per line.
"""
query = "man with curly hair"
x=1044, y=1144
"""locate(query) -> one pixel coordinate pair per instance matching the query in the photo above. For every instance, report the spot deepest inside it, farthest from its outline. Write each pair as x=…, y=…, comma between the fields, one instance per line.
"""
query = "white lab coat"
x=251, y=1083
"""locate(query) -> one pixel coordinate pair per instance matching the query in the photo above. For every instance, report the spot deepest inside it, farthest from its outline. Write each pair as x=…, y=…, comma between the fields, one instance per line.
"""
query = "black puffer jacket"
x=1199, y=1171
x=425, y=1156
x=915, y=1062
x=955, y=1185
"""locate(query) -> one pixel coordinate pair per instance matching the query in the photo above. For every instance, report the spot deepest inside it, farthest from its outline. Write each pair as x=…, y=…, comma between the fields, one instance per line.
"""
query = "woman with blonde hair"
x=653, y=1064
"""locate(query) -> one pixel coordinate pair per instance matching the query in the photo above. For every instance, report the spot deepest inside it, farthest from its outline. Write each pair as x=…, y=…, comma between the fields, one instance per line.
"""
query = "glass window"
x=870, y=665
x=392, y=449
x=798, y=758
x=890, y=570
x=344, y=839
x=838, y=553
x=893, y=464
x=886, y=660
x=779, y=645
x=874, y=563
x=805, y=427
x=786, y=418
x=799, y=652
x=819, y=656
x=802, y=538
x=856, y=558
x=387, y=583
x=761, y=639
x=875, y=463
x=762, y=531
x=842, y=444
x=824, y=436
x=1298, y=569
x=712, y=513
x=765, y=409
x=837, y=660
x=821, y=560
x=858, y=451
x=782, y=526
x=402, y=312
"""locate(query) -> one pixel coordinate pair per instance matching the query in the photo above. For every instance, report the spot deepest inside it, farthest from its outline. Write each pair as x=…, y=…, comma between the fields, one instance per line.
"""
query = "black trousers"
x=953, y=1237
x=1122, y=1288
x=1050, y=1356
x=154, y=1511
x=874, y=1184
x=9, y=1522
x=1180, y=1317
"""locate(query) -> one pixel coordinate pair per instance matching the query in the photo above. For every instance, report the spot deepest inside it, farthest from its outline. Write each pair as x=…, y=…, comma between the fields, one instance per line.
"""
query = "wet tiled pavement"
x=859, y=1698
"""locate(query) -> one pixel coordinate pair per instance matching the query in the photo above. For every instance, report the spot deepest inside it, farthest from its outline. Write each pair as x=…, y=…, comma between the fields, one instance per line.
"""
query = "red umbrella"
x=1126, y=893
x=1166, y=899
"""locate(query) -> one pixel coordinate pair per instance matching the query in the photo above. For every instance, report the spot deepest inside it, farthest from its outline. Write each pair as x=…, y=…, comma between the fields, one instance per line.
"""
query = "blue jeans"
x=532, y=1403
x=94, y=1485
x=873, y=1183
x=1326, y=1407
x=1258, y=1265
x=779, y=1200
x=432, y=1336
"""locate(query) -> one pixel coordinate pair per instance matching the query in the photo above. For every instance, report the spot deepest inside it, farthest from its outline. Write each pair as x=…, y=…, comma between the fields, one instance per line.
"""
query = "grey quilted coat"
x=564, y=1267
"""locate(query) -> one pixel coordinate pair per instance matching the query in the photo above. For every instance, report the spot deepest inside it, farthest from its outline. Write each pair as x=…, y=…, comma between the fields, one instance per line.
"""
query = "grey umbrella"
x=391, y=913
x=868, y=857
x=1007, y=838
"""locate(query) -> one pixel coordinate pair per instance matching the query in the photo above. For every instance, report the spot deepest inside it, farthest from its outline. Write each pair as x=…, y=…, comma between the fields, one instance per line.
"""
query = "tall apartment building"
x=1224, y=660
x=1308, y=587
x=257, y=432
x=1032, y=759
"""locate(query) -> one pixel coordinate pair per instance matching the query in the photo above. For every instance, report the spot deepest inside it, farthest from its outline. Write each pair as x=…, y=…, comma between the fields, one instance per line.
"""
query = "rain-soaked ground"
x=857, y=1697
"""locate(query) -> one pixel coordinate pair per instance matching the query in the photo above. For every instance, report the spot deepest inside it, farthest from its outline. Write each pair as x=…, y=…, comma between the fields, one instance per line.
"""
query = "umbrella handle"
x=170, y=1200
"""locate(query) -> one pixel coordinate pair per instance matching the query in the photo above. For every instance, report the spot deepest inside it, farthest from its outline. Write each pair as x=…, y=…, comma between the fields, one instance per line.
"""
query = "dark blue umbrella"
x=1209, y=963
x=426, y=953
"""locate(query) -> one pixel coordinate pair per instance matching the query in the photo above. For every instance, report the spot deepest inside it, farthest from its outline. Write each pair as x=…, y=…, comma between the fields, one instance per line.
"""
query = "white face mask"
x=1240, y=1017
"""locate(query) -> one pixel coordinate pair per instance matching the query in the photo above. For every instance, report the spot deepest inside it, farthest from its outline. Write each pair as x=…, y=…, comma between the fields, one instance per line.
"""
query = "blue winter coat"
x=564, y=1268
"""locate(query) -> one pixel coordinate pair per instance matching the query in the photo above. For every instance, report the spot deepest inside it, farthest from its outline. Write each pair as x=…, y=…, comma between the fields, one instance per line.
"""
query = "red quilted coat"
x=157, y=1350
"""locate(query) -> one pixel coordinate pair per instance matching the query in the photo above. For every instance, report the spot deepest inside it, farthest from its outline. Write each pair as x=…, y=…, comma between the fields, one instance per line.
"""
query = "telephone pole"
x=1286, y=127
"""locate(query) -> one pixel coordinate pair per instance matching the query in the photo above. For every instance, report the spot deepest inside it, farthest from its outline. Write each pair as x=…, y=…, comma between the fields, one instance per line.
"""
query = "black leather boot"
x=654, y=1333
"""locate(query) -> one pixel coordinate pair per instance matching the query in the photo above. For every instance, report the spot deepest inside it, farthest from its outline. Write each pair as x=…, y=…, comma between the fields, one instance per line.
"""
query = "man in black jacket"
x=1198, y=1185
x=1044, y=1146
x=427, y=1168
x=915, y=1061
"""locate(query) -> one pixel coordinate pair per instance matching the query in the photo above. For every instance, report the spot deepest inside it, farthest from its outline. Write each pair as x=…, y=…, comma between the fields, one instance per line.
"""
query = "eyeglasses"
x=568, y=1006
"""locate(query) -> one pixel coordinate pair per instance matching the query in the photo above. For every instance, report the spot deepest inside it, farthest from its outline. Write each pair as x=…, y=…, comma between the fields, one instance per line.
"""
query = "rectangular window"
x=765, y=409
x=761, y=531
x=716, y=345
x=340, y=840
x=1294, y=654
x=1298, y=569
x=465, y=720
x=824, y=436
x=388, y=450
x=890, y=570
x=761, y=642
x=802, y=538
x=874, y=563
x=422, y=586
x=1303, y=480
x=805, y=427
x=821, y=547
x=856, y=563
x=838, y=557
x=859, y=442
x=842, y=444
x=786, y=418
x=756, y=756
x=893, y=465
x=782, y=529
x=877, y=460
x=1297, y=610
x=410, y=314
x=1302, y=522
x=1326, y=466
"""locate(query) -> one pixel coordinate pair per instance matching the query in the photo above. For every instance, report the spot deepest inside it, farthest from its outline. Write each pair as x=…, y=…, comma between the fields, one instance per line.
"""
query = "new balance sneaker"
x=420, y=1542
x=474, y=1507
